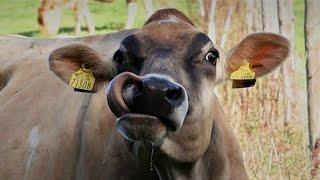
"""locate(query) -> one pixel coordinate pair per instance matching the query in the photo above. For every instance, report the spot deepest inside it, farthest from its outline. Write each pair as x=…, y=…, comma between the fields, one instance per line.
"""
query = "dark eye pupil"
x=118, y=57
x=212, y=57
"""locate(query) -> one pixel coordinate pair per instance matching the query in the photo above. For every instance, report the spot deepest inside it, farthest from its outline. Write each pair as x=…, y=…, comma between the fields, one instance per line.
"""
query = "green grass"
x=298, y=8
x=20, y=17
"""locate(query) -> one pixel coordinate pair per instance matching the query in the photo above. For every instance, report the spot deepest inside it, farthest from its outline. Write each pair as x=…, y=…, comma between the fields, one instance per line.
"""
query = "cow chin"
x=142, y=127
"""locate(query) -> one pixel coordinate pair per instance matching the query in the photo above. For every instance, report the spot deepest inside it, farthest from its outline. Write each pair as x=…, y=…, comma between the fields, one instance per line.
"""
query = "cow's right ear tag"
x=82, y=80
x=243, y=77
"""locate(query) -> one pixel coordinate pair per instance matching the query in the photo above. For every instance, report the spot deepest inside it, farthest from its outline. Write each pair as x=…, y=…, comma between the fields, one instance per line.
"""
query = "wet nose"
x=151, y=94
x=158, y=90
x=157, y=96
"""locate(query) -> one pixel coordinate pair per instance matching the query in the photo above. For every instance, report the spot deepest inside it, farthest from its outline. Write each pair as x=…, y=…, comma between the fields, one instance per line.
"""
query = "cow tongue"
x=114, y=96
x=141, y=127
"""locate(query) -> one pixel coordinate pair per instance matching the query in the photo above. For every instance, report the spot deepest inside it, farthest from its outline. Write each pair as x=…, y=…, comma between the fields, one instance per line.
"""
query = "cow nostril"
x=173, y=95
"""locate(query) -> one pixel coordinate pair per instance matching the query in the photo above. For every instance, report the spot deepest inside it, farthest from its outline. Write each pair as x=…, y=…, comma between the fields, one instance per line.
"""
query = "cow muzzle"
x=147, y=106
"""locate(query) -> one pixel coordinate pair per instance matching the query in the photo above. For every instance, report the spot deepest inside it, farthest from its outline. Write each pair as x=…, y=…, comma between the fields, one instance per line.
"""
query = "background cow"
x=50, y=14
x=60, y=134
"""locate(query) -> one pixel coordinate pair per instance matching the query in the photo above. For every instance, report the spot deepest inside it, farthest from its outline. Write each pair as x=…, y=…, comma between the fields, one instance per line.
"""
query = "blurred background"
x=270, y=120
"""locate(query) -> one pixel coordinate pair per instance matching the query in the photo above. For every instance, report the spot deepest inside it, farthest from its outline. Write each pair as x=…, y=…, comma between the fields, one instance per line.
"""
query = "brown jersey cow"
x=152, y=113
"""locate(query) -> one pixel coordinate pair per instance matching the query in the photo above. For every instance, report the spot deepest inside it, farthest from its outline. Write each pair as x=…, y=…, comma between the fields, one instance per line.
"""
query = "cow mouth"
x=133, y=126
x=141, y=127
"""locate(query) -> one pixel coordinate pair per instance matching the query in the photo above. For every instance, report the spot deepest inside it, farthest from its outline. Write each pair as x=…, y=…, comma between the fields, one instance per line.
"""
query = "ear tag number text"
x=82, y=79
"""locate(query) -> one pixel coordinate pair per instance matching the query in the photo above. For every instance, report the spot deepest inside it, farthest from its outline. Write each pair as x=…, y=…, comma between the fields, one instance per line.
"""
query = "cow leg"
x=89, y=20
x=42, y=25
x=132, y=11
x=49, y=20
x=148, y=5
x=77, y=18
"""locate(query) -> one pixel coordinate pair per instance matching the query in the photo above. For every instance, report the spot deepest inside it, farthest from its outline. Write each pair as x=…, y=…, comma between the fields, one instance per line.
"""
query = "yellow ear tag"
x=243, y=73
x=243, y=77
x=82, y=79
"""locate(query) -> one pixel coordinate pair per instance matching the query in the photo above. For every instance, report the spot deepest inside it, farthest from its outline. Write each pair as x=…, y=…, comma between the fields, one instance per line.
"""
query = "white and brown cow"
x=153, y=113
x=50, y=14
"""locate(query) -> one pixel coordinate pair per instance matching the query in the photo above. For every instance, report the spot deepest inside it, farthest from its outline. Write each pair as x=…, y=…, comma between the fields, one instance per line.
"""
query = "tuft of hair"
x=169, y=14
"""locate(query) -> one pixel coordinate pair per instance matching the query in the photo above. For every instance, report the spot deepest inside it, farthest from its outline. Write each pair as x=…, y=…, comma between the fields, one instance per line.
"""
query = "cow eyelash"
x=212, y=57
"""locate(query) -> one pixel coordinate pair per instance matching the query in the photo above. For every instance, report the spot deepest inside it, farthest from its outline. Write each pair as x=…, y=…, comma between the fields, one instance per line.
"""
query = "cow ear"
x=68, y=59
x=263, y=51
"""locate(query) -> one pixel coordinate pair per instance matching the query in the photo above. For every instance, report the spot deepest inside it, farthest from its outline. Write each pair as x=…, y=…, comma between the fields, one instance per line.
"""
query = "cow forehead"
x=182, y=38
x=166, y=31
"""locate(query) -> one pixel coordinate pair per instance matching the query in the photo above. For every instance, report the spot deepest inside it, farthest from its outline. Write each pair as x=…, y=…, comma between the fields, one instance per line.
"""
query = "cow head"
x=162, y=80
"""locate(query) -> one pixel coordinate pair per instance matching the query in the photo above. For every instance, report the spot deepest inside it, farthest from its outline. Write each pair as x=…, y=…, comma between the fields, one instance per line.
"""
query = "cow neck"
x=215, y=158
x=167, y=169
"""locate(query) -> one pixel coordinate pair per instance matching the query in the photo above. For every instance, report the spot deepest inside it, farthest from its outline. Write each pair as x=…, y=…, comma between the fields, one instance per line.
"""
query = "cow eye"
x=118, y=57
x=212, y=57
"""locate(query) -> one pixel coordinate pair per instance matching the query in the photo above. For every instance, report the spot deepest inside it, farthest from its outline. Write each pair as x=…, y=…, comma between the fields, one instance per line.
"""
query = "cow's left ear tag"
x=82, y=80
x=243, y=77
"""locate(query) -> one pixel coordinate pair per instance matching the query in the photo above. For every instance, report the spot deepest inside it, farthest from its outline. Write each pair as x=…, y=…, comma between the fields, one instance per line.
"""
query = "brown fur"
x=166, y=13
x=40, y=18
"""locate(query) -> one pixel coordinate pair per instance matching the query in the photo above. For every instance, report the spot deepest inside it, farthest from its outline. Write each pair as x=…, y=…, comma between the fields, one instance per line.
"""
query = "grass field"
x=272, y=151
x=299, y=26
x=107, y=17
x=19, y=17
